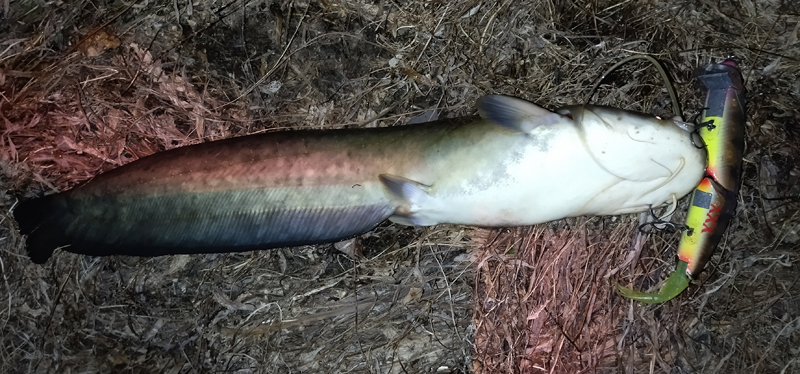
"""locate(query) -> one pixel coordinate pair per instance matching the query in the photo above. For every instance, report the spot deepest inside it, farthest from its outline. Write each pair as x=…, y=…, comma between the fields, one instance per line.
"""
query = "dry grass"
x=549, y=305
x=74, y=103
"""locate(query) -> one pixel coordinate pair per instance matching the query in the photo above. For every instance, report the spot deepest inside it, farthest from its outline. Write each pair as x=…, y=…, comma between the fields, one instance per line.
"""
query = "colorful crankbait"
x=713, y=203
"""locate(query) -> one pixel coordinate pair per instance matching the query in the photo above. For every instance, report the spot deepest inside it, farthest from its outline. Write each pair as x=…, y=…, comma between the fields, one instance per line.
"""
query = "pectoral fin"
x=516, y=114
x=410, y=198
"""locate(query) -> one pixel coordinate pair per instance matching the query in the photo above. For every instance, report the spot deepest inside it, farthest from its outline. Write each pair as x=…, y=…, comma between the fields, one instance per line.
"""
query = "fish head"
x=648, y=159
x=657, y=156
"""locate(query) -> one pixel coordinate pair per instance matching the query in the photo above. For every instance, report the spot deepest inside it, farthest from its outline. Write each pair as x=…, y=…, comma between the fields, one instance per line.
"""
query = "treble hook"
x=660, y=223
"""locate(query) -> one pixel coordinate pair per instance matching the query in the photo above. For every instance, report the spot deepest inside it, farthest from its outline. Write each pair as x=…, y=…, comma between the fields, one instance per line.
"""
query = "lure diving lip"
x=713, y=202
x=519, y=165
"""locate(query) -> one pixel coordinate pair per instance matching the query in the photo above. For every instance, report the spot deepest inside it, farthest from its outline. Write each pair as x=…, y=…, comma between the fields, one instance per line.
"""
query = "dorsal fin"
x=515, y=114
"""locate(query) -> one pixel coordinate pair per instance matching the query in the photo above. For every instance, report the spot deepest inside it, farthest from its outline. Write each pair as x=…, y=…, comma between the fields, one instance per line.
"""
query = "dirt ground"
x=86, y=86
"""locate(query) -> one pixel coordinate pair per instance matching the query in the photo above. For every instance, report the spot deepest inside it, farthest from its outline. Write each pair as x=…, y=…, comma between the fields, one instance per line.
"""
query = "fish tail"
x=44, y=220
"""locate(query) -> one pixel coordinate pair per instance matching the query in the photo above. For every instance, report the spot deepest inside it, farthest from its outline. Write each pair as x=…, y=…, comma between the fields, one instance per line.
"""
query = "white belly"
x=543, y=185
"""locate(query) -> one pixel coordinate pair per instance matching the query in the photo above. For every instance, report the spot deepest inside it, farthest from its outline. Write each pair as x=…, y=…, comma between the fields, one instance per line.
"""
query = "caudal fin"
x=44, y=220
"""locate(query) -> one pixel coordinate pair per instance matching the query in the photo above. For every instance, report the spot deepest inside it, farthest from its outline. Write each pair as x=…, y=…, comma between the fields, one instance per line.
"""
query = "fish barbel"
x=518, y=165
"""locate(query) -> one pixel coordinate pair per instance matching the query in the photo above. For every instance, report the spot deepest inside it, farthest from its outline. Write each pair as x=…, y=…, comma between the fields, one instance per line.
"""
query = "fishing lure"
x=519, y=164
x=713, y=203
